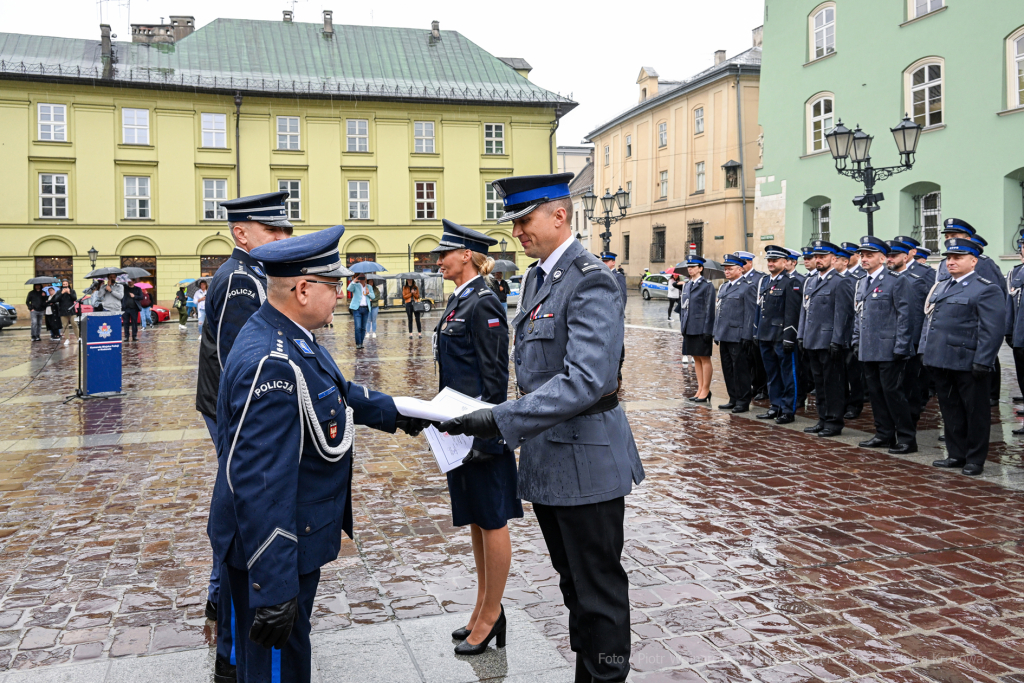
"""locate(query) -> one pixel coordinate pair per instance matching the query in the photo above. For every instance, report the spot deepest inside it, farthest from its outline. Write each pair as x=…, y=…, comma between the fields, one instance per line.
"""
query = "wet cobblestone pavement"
x=755, y=553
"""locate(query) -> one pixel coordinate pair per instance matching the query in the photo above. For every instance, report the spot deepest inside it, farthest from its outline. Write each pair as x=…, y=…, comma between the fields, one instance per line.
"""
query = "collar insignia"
x=304, y=347
x=557, y=274
x=258, y=271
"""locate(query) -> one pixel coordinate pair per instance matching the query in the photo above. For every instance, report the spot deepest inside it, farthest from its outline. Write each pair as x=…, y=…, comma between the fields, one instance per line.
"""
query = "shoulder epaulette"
x=484, y=292
x=913, y=274
x=987, y=282
x=587, y=262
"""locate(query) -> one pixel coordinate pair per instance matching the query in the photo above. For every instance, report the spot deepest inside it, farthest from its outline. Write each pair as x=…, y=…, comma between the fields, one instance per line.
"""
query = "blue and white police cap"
x=776, y=251
x=733, y=260
x=895, y=245
x=456, y=236
x=312, y=254
x=695, y=261
x=979, y=239
x=794, y=255
x=743, y=255
x=959, y=245
x=911, y=242
x=264, y=208
x=843, y=253
x=824, y=247
x=872, y=243
x=849, y=247
x=923, y=253
x=608, y=256
x=522, y=194
x=958, y=225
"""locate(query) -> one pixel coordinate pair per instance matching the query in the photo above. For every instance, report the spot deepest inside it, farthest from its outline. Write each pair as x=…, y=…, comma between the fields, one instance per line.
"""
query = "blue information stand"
x=99, y=360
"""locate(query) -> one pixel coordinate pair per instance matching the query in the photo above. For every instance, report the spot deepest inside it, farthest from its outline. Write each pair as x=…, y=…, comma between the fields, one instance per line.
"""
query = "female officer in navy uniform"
x=472, y=355
x=697, y=323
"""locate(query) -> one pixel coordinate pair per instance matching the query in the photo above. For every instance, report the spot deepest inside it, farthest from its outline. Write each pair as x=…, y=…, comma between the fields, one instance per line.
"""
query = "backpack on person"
x=145, y=301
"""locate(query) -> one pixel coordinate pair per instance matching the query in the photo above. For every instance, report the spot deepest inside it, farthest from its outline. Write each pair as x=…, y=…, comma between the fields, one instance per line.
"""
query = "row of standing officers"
x=869, y=320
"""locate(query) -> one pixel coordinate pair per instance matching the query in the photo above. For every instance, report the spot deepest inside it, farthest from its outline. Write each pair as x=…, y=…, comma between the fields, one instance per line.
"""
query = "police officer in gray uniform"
x=759, y=379
x=963, y=332
x=854, y=369
x=734, y=331
x=577, y=457
x=882, y=336
x=919, y=280
x=854, y=267
x=825, y=333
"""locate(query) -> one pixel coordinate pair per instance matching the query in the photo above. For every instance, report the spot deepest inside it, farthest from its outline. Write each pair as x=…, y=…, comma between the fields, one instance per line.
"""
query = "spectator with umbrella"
x=36, y=302
x=362, y=295
x=67, y=301
x=131, y=309
x=109, y=295
x=413, y=307
x=145, y=302
x=52, y=317
x=181, y=303
x=371, y=324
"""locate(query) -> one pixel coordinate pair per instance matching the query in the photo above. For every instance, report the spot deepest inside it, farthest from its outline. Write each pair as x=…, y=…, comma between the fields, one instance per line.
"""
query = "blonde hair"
x=484, y=263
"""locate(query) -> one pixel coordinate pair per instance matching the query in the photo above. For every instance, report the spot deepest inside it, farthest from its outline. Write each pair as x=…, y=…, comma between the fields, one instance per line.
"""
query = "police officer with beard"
x=919, y=280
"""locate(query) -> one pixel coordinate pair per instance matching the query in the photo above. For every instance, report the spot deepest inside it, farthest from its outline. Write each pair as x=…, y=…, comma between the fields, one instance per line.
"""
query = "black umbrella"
x=43, y=280
x=503, y=266
x=104, y=272
x=135, y=273
x=713, y=270
x=413, y=276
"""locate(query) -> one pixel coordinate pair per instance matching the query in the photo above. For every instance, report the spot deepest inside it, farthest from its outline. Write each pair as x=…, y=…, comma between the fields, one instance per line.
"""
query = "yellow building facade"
x=135, y=171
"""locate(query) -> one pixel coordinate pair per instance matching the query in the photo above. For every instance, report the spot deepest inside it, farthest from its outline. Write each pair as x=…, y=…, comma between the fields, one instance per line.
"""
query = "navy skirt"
x=485, y=493
x=694, y=345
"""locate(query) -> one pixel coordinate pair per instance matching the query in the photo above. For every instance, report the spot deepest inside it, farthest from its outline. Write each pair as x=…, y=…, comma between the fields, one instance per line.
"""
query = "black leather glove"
x=980, y=371
x=900, y=357
x=835, y=350
x=800, y=345
x=708, y=338
x=717, y=343
x=479, y=423
x=856, y=350
x=1009, y=340
x=478, y=456
x=788, y=346
x=411, y=425
x=273, y=625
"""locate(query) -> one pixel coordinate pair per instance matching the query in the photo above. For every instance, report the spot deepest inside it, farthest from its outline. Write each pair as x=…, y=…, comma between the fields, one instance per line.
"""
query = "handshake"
x=479, y=424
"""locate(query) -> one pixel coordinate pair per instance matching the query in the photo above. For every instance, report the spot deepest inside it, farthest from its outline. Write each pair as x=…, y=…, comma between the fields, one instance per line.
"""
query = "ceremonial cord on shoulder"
x=307, y=413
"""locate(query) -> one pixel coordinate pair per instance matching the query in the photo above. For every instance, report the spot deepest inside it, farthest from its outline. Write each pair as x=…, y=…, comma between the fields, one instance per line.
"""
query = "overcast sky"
x=592, y=50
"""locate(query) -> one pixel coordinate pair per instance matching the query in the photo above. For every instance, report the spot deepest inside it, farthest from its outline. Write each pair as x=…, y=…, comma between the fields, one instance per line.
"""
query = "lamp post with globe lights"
x=609, y=203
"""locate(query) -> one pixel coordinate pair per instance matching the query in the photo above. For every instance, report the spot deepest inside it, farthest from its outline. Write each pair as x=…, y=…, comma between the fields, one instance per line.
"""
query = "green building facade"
x=956, y=66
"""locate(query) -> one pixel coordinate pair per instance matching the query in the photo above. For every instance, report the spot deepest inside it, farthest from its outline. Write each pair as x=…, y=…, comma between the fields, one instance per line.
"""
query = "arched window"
x=925, y=97
x=1018, y=58
x=823, y=27
x=821, y=122
x=1015, y=69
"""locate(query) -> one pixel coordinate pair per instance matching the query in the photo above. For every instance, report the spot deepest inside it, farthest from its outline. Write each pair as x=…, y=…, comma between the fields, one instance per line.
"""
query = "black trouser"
x=673, y=304
x=890, y=405
x=915, y=387
x=736, y=370
x=854, y=383
x=805, y=380
x=966, y=415
x=759, y=378
x=130, y=320
x=995, y=381
x=1018, y=364
x=585, y=544
x=409, y=313
x=829, y=387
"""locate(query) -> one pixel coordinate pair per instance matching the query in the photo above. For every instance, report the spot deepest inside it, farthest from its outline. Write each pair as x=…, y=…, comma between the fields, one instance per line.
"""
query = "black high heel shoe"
x=706, y=399
x=498, y=631
x=461, y=633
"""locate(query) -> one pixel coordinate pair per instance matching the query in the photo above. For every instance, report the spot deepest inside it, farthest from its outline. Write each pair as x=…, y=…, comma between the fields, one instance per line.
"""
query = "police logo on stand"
x=104, y=330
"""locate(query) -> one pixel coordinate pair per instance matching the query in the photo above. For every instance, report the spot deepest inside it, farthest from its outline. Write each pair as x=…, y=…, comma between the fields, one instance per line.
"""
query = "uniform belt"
x=603, y=405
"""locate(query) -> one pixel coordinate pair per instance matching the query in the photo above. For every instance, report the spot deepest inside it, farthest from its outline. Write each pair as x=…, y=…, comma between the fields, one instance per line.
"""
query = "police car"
x=655, y=287
x=514, y=283
x=11, y=311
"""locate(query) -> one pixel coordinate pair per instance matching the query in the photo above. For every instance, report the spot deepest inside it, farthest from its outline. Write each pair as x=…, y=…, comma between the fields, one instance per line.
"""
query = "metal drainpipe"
x=743, y=168
x=551, y=139
x=238, y=152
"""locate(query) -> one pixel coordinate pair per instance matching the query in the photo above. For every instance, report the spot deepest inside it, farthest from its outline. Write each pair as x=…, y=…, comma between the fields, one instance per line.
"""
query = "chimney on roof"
x=328, y=22
x=287, y=16
x=758, y=35
x=105, y=41
x=435, y=29
x=182, y=26
x=719, y=57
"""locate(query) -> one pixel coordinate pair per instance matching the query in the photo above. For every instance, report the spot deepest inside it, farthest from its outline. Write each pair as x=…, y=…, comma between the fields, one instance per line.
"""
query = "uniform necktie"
x=540, y=279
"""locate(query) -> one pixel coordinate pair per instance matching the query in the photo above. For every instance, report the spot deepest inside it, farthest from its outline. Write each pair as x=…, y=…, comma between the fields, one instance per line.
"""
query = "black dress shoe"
x=224, y=672
x=1018, y=432
x=211, y=611
x=761, y=396
x=903, y=448
x=498, y=631
x=942, y=437
x=949, y=462
x=813, y=429
x=972, y=470
x=770, y=415
x=829, y=431
x=727, y=406
x=1019, y=412
x=785, y=419
x=852, y=414
x=875, y=442
x=740, y=409
x=461, y=633
x=1017, y=399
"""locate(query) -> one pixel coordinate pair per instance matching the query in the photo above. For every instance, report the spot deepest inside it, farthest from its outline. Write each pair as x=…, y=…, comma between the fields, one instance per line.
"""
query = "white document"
x=448, y=450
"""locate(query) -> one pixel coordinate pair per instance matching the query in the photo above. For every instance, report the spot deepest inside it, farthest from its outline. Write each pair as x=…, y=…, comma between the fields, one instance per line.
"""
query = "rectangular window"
x=823, y=222
x=135, y=126
x=1019, y=56
x=629, y=146
x=825, y=32
x=658, y=245
x=625, y=248
x=695, y=247
x=53, y=122
x=357, y=135
x=698, y=120
x=926, y=90
x=359, y=199
x=494, y=206
x=923, y=7
x=292, y=205
x=215, y=130
x=629, y=193
x=423, y=131
x=494, y=138
x=700, y=176
x=56, y=267
x=215, y=190
x=136, y=196
x=607, y=155
x=426, y=200
x=663, y=185
x=821, y=123
x=53, y=195
x=288, y=132
x=931, y=219
x=663, y=134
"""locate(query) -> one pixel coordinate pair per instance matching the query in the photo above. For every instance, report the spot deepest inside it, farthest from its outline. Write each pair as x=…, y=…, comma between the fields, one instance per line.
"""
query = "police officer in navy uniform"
x=1015, y=320
x=238, y=289
x=962, y=335
x=734, y=332
x=854, y=371
x=471, y=342
x=697, y=325
x=285, y=417
x=854, y=267
x=919, y=281
x=759, y=380
x=883, y=336
x=608, y=258
x=778, y=315
x=567, y=333
x=922, y=256
x=825, y=334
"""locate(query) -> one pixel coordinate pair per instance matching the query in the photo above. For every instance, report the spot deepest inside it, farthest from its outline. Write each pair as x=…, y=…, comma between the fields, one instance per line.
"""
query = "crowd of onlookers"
x=59, y=307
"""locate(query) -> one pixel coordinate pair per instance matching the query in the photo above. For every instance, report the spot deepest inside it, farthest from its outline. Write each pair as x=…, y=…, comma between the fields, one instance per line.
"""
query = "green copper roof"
x=272, y=57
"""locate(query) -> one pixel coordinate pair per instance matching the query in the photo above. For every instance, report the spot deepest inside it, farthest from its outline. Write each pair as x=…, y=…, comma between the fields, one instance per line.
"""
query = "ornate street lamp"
x=92, y=256
x=855, y=146
x=502, y=244
x=609, y=203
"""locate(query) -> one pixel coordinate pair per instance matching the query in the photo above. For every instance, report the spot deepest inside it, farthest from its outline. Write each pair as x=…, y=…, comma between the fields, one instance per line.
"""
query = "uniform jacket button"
x=280, y=333
x=307, y=529
x=256, y=586
x=332, y=411
x=575, y=437
x=519, y=361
